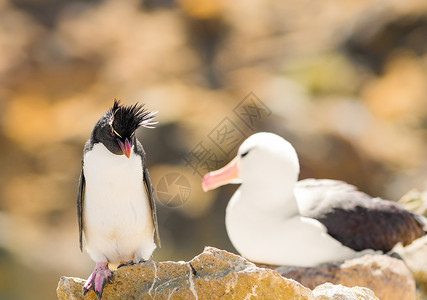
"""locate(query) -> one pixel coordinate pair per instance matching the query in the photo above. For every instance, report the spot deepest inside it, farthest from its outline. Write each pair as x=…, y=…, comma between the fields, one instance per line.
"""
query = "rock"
x=387, y=277
x=214, y=274
x=416, y=260
x=328, y=291
x=416, y=201
x=414, y=254
x=70, y=288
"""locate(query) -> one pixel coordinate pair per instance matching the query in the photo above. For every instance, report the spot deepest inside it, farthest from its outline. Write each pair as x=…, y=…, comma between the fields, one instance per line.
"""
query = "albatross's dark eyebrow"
x=244, y=154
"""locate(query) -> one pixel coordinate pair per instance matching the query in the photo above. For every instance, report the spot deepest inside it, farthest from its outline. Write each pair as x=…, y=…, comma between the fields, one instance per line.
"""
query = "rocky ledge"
x=389, y=278
x=214, y=274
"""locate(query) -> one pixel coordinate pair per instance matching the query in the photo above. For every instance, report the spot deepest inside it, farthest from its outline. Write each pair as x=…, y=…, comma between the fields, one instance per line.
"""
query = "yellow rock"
x=213, y=274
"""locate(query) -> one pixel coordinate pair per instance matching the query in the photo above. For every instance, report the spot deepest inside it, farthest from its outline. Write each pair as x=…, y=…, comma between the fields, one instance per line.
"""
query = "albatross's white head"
x=264, y=161
x=260, y=211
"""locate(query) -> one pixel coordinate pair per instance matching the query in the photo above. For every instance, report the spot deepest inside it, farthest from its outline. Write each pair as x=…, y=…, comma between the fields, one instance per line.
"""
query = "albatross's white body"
x=262, y=218
x=268, y=237
x=117, y=214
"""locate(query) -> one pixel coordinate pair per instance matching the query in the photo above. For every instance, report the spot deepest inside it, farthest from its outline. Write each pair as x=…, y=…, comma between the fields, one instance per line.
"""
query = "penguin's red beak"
x=126, y=147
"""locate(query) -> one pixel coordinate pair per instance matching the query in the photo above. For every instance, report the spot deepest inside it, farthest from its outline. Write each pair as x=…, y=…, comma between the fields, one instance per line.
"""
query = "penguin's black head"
x=116, y=128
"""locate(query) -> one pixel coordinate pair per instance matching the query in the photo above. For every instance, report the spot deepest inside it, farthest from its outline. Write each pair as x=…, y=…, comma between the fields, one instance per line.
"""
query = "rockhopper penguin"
x=115, y=205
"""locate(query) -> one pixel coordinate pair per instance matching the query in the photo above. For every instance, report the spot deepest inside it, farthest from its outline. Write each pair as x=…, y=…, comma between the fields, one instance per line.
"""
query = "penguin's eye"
x=114, y=133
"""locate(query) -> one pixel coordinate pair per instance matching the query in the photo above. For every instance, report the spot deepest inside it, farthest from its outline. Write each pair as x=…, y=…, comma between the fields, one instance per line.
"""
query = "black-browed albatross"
x=274, y=219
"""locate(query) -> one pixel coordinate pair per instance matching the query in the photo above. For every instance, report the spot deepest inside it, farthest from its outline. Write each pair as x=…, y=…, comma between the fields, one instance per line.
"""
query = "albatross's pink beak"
x=225, y=175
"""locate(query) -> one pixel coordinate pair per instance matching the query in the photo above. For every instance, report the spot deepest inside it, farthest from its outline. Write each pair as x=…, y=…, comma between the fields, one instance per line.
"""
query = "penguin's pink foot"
x=98, y=279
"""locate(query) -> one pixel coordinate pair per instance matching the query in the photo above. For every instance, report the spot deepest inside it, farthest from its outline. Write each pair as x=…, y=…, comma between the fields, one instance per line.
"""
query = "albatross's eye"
x=244, y=154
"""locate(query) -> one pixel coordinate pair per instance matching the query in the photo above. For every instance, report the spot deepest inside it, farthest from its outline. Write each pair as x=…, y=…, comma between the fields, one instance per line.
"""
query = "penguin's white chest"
x=117, y=216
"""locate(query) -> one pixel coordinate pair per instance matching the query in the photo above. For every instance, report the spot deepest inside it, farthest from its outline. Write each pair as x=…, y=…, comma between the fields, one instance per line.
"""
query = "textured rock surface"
x=328, y=291
x=213, y=274
x=388, y=277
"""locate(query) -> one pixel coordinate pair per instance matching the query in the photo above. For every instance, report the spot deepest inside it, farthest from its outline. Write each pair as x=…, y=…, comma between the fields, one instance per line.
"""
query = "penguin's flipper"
x=150, y=193
x=80, y=203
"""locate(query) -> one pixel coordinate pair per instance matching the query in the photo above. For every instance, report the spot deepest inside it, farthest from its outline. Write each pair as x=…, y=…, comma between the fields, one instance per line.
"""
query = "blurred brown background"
x=344, y=81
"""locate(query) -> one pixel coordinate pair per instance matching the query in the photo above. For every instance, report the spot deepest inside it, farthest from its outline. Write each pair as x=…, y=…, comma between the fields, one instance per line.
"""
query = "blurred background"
x=344, y=81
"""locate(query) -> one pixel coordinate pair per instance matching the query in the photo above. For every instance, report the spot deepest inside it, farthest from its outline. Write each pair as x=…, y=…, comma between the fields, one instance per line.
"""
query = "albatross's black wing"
x=354, y=218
